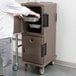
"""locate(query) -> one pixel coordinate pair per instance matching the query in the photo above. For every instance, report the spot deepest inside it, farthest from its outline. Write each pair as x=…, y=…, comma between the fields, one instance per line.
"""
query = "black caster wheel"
x=15, y=67
x=26, y=67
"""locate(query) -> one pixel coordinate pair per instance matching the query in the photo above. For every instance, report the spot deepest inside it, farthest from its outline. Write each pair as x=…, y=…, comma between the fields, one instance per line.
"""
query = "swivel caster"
x=41, y=70
x=15, y=67
x=26, y=66
x=52, y=63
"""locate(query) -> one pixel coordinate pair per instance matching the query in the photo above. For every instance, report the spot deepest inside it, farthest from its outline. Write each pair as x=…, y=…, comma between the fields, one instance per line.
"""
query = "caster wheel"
x=53, y=62
x=41, y=70
x=15, y=67
x=26, y=66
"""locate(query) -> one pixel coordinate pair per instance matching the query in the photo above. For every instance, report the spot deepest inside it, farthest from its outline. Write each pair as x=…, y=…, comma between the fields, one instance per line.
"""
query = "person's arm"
x=15, y=8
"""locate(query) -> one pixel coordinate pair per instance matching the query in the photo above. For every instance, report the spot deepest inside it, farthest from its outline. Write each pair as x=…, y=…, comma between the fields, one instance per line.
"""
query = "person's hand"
x=35, y=14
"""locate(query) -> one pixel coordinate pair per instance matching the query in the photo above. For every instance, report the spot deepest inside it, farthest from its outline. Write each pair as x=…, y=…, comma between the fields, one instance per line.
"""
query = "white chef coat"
x=9, y=8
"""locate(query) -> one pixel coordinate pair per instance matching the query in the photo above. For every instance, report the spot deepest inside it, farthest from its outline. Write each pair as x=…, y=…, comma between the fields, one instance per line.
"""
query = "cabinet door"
x=32, y=49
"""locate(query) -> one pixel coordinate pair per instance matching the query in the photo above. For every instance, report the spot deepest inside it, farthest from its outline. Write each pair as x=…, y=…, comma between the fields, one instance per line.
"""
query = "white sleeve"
x=15, y=8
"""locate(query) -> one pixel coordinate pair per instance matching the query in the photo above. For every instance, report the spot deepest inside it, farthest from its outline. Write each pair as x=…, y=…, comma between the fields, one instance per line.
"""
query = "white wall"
x=21, y=1
x=66, y=30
